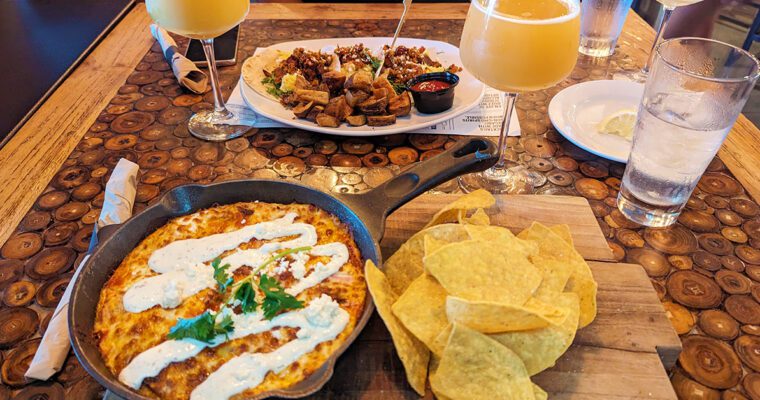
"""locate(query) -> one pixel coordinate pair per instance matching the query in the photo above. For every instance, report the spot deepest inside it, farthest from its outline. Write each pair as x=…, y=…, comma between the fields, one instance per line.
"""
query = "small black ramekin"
x=433, y=102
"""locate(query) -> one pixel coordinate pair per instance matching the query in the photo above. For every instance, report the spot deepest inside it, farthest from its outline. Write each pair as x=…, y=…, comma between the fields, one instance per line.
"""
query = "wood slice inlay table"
x=705, y=269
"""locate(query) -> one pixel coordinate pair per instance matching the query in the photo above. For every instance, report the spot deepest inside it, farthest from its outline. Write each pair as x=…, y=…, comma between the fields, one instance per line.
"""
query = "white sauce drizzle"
x=322, y=320
x=249, y=369
x=182, y=273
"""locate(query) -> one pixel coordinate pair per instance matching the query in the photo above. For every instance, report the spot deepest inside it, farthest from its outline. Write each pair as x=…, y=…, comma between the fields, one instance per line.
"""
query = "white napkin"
x=484, y=120
x=186, y=72
x=117, y=208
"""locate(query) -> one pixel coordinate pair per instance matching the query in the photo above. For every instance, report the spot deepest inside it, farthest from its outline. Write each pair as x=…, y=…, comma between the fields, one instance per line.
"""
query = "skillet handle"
x=466, y=156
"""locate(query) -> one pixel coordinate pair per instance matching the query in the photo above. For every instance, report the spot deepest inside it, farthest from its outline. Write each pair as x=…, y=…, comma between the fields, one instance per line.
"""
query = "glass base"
x=513, y=180
x=215, y=126
x=597, y=47
x=644, y=213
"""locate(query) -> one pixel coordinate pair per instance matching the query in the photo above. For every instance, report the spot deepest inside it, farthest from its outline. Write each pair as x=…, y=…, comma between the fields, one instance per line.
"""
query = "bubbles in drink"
x=671, y=153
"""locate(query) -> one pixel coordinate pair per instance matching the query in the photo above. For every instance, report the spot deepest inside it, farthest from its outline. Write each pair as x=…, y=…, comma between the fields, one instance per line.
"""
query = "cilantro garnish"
x=223, y=280
x=202, y=327
x=275, y=297
x=247, y=296
x=272, y=87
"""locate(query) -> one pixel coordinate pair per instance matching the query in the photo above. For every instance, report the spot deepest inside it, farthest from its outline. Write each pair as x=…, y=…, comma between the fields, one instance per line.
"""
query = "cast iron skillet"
x=364, y=214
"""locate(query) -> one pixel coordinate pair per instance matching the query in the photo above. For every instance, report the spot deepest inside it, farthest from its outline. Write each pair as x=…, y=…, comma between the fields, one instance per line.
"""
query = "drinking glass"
x=695, y=92
x=601, y=23
x=517, y=45
x=204, y=20
x=668, y=7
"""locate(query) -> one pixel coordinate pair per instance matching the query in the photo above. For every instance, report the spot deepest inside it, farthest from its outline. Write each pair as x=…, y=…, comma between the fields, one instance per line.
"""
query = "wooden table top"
x=122, y=102
x=31, y=158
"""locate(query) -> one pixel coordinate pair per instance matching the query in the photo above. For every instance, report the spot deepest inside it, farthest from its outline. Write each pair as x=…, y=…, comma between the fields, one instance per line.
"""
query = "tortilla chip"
x=422, y=309
x=479, y=217
x=413, y=353
x=500, y=234
x=439, y=343
x=555, y=275
x=485, y=271
x=432, y=244
x=477, y=199
x=540, y=348
x=581, y=280
x=474, y=366
x=405, y=265
x=539, y=393
x=488, y=317
x=563, y=231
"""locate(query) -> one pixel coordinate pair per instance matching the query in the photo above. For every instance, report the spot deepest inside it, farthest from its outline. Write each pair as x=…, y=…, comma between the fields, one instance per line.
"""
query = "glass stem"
x=509, y=106
x=662, y=22
x=208, y=48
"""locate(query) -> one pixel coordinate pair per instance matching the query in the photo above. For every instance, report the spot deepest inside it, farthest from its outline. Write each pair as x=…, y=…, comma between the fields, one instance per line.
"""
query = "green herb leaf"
x=202, y=327
x=281, y=255
x=247, y=297
x=398, y=87
x=223, y=280
x=275, y=297
x=376, y=63
x=271, y=86
x=225, y=326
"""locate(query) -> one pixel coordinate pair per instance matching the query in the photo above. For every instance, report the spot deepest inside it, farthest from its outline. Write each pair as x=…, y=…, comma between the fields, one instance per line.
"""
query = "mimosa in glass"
x=512, y=46
x=204, y=20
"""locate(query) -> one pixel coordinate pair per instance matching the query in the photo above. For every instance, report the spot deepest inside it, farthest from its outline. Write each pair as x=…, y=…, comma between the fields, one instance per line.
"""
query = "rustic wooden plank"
x=741, y=154
x=630, y=316
x=587, y=373
x=619, y=356
x=30, y=159
x=355, y=11
x=623, y=354
x=515, y=212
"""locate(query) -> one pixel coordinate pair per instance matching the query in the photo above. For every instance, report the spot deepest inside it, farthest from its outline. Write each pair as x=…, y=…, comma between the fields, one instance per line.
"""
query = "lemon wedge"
x=620, y=123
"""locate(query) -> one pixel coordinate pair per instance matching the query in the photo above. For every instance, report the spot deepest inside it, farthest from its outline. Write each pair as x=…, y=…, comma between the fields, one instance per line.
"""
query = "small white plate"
x=577, y=111
x=468, y=92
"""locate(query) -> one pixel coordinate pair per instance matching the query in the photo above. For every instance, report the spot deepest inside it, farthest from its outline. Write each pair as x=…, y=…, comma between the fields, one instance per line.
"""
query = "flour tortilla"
x=266, y=60
x=253, y=71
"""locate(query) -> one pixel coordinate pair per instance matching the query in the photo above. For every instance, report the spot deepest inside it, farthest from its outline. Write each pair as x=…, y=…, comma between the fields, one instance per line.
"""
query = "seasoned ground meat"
x=311, y=65
x=357, y=54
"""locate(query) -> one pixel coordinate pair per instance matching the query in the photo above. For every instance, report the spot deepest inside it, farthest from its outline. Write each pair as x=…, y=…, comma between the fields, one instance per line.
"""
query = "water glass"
x=601, y=23
x=695, y=91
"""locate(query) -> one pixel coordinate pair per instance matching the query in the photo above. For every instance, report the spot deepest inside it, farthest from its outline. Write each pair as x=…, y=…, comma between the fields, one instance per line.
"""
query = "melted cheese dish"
x=169, y=276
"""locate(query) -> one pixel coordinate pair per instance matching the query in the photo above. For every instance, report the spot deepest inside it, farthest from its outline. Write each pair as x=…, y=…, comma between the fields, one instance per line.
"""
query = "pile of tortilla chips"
x=478, y=309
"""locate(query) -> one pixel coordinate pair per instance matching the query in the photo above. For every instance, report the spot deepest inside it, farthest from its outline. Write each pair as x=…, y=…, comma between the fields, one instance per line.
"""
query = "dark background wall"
x=39, y=41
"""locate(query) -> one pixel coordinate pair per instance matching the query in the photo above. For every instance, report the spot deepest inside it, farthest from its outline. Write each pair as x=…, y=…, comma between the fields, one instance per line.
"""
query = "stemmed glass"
x=668, y=7
x=204, y=20
x=516, y=45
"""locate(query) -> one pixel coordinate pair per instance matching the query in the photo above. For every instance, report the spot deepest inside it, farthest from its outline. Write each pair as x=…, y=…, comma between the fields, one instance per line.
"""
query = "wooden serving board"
x=515, y=212
x=623, y=354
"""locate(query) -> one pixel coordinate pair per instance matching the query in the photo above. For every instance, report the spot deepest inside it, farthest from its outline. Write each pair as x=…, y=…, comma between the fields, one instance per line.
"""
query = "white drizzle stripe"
x=184, y=252
x=339, y=256
x=182, y=273
x=320, y=313
x=249, y=370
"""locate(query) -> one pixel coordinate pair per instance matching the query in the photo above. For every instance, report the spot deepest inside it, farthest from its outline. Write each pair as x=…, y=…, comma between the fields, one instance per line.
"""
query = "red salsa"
x=430, y=86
